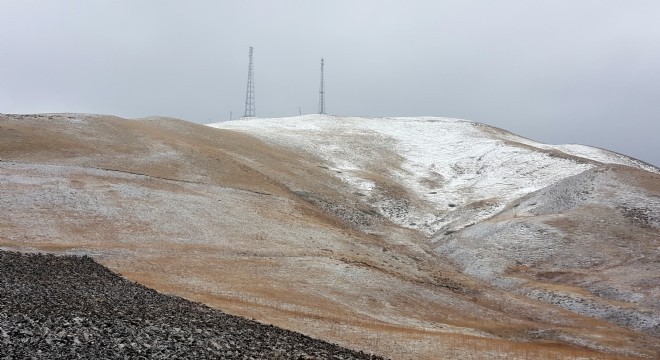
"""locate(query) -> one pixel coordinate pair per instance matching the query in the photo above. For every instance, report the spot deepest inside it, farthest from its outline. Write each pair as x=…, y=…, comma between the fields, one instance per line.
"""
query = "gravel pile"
x=66, y=307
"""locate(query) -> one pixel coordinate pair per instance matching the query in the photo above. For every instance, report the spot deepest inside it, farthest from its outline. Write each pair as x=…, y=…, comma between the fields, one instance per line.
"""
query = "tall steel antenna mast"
x=249, y=96
x=322, y=93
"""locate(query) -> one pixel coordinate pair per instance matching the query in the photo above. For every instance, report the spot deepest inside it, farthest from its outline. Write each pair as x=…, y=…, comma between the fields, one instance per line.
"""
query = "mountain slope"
x=588, y=243
x=340, y=228
x=454, y=172
x=69, y=307
x=525, y=216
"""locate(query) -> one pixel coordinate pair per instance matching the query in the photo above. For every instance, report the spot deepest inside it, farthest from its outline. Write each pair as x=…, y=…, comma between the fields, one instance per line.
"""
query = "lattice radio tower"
x=322, y=93
x=249, y=96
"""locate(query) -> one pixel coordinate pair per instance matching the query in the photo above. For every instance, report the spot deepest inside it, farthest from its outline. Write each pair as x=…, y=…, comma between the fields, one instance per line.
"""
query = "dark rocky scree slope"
x=66, y=307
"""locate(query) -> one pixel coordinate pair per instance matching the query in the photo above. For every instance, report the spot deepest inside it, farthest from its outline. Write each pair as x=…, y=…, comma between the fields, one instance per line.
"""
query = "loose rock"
x=67, y=307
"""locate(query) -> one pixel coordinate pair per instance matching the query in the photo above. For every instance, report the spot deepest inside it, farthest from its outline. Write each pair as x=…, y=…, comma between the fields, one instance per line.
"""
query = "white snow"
x=450, y=165
x=588, y=152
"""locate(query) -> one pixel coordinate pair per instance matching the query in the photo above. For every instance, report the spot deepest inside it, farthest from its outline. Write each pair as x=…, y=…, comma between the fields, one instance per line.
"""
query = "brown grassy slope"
x=169, y=149
x=220, y=217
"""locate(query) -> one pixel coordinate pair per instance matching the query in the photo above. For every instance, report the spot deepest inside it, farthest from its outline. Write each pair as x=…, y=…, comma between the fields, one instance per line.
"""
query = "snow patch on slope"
x=458, y=171
x=587, y=152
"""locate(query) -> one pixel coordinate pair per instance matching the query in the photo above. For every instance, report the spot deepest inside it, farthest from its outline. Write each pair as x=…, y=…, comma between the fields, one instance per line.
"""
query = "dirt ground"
x=258, y=230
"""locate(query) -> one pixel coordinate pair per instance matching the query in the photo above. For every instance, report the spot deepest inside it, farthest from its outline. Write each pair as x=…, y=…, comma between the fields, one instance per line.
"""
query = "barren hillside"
x=409, y=238
x=70, y=307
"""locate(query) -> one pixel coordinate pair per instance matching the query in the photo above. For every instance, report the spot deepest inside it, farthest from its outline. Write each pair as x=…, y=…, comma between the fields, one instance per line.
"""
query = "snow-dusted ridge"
x=458, y=171
x=588, y=152
x=288, y=230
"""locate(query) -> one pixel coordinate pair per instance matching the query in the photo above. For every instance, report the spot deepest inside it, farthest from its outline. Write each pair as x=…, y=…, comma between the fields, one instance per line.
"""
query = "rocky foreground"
x=67, y=307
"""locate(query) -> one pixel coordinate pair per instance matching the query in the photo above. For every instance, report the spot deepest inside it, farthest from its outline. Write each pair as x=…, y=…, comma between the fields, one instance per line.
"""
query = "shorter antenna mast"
x=322, y=93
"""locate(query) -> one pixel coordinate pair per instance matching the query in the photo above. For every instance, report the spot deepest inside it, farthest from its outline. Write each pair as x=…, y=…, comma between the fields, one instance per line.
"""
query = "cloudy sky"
x=556, y=71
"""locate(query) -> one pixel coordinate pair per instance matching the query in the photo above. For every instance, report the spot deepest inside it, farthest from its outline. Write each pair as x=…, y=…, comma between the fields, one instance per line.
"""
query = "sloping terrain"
x=364, y=232
x=73, y=308
x=589, y=243
x=570, y=225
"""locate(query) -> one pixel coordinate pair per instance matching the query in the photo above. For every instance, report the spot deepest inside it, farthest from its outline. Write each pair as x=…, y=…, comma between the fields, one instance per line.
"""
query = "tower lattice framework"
x=250, y=109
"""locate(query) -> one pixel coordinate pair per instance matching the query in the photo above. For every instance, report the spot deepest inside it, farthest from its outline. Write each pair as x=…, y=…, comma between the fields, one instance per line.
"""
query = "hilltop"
x=406, y=237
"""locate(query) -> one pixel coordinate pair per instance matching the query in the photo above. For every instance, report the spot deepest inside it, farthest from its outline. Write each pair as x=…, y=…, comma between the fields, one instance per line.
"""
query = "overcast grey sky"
x=556, y=71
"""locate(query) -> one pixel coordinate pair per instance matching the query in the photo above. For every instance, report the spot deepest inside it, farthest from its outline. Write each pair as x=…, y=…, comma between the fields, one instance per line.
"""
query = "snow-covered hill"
x=450, y=173
x=408, y=237
x=520, y=214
